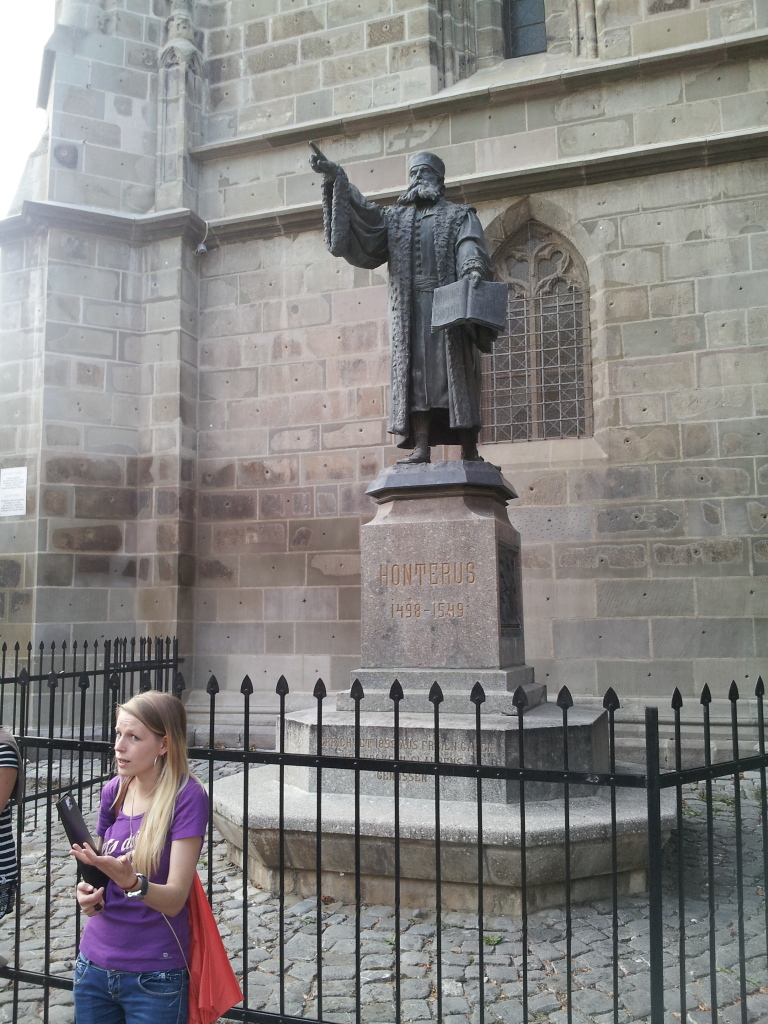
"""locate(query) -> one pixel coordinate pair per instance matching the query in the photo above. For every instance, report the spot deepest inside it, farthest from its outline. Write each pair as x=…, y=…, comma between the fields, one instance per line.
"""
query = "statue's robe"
x=426, y=246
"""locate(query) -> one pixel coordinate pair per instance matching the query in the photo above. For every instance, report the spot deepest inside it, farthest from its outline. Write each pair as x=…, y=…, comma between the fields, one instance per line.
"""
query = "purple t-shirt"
x=128, y=935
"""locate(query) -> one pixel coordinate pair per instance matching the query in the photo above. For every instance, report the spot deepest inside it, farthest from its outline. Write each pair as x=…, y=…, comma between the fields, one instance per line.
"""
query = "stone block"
x=342, y=570
x=714, y=403
x=661, y=227
x=340, y=534
x=699, y=440
x=703, y=518
x=296, y=24
x=230, y=637
x=339, y=71
x=564, y=599
x=550, y=489
x=82, y=605
x=658, y=375
x=467, y=126
x=228, y=506
x=106, y=503
x=684, y=120
x=551, y=524
x=673, y=30
x=273, y=570
x=718, y=369
x=61, y=469
x=677, y=299
x=652, y=678
x=584, y=561
x=743, y=437
x=708, y=557
x=285, y=503
x=745, y=598
x=10, y=572
x=702, y=638
x=744, y=517
x=612, y=483
x=293, y=604
x=519, y=150
x=279, y=637
x=84, y=341
x=595, y=136
x=660, y=337
x=601, y=638
x=217, y=572
x=645, y=598
x=321, y=468
x=271, y=472
x=55, y=501
x=643, y=444
x=236, y=605
x=653, y=520
x=648, y=409
x=319, y=638
x=705, y=480
x=362, y=433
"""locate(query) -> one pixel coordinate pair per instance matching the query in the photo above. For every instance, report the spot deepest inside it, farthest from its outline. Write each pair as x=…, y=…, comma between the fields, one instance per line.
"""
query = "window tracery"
x=537, y=381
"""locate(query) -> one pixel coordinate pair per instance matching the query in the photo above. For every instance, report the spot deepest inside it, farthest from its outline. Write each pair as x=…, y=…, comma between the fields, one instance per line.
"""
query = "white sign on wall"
x=13, y=491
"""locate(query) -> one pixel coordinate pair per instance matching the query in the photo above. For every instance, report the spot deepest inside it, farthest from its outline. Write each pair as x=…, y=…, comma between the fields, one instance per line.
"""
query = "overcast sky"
x=27, y=24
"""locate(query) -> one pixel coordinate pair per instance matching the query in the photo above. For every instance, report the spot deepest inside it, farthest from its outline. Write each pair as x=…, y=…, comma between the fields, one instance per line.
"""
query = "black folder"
x=77, y=832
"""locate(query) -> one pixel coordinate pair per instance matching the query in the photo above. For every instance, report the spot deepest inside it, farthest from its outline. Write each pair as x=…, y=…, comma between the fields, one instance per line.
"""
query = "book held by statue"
x=460, y=303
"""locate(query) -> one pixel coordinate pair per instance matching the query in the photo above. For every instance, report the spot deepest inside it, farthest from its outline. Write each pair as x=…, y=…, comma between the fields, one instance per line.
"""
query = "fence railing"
x=707, y=858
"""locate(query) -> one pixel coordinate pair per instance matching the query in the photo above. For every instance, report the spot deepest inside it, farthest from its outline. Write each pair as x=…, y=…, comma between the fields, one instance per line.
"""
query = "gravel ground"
x=592, y=942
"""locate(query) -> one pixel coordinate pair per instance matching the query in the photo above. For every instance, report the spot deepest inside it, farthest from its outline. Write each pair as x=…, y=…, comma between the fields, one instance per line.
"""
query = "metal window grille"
x=537, y=381
x=526, y=28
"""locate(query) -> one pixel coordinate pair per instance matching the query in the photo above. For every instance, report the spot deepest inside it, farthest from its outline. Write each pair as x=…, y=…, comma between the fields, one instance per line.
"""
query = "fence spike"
x=212, y=687
x=706, y=695
x=760, y=687
x=4, y=648
x=520, y=699
x=114, y=682
x=357, y=693
x=282, y=687
x=396, y=691
x=611, y=700
x=564, y=699
x=478, y=695
x=319, y=691
x=53, y=680
x=84, y=682
x=677, y=700
x=145, y=683
x=246, y=687
x=435, y=694
x=24, y=677
x=179, y=686
x=733, y=691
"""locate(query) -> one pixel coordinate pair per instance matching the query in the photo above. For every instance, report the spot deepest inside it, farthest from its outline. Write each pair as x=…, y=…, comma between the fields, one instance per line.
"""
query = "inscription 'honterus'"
x=429, y=574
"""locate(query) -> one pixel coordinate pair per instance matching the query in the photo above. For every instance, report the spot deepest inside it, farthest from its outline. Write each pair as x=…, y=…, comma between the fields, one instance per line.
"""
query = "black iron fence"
x=703, y=833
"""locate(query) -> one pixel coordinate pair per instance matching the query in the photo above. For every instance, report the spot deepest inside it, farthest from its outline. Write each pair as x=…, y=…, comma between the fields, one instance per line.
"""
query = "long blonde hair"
x=164, y=715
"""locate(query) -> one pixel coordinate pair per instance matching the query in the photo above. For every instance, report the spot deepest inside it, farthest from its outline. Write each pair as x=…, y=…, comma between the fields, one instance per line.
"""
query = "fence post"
x=655, y=905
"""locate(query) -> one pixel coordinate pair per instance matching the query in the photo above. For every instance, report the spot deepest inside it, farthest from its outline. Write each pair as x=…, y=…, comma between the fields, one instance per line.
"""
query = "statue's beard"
x=421, y=191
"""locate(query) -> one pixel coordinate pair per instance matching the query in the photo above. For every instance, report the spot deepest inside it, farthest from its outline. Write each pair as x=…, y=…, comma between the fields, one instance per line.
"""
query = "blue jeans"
x=129, y=997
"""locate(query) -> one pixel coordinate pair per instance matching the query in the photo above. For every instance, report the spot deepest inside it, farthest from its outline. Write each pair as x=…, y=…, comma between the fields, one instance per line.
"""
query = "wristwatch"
x=141, y=892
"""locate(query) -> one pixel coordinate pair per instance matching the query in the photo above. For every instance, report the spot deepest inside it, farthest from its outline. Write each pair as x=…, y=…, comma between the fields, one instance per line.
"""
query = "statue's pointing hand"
x=320, y=163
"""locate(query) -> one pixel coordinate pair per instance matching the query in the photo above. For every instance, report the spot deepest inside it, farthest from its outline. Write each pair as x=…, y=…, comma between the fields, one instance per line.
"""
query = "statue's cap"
x=427, y=160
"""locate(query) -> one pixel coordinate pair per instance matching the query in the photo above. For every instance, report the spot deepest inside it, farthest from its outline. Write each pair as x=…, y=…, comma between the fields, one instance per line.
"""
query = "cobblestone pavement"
x=592, y=944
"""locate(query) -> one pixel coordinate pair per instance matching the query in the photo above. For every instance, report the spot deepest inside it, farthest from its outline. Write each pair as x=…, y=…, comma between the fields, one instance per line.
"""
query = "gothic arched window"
x=537, y=381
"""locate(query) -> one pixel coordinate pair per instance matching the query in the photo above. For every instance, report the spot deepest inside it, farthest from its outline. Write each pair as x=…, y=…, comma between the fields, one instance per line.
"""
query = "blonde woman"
x=152, y=819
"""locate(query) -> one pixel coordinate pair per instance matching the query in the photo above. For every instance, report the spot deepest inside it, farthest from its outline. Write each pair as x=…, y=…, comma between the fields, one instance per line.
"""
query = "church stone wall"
x=200, y=429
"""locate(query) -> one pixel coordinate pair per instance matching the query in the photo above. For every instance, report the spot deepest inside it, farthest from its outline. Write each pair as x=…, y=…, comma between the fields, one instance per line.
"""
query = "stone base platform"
x=499, y=737
x=590, y=832
x=499, y=685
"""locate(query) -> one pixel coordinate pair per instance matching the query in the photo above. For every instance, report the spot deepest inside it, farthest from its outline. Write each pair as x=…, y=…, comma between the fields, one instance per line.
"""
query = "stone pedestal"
x=441, y=601
x=441, y=589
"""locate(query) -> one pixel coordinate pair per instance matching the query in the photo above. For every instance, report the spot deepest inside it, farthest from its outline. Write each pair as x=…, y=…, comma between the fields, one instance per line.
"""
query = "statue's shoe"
x=419, y=455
